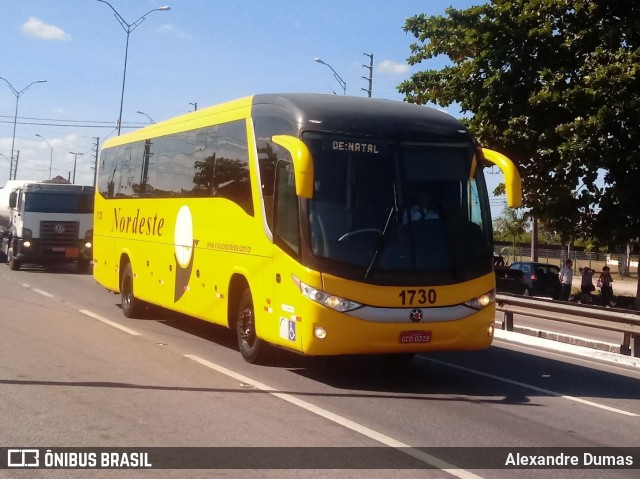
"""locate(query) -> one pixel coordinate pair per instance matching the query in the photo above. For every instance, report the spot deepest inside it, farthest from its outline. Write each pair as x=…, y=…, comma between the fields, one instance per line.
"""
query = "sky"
x=198, y=53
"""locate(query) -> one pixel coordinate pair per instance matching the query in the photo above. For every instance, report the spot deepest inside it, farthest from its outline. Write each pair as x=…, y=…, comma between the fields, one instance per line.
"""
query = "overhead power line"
x=69, y=123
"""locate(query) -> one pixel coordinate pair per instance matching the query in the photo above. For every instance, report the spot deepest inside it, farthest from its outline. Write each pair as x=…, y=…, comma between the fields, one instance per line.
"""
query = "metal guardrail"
x=620, y=320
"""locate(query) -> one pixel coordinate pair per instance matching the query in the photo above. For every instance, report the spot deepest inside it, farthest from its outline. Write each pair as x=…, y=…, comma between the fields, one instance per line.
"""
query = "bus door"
x=286, y=251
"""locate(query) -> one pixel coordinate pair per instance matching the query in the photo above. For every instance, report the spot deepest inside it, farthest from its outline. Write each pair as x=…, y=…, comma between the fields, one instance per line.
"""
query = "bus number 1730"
x=410, y=297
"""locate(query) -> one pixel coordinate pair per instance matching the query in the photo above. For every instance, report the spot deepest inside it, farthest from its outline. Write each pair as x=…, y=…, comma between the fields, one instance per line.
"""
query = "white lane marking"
x=43, y=293
x=110, y=323
x=39, y=291
x=529, y=386
x=354, y=426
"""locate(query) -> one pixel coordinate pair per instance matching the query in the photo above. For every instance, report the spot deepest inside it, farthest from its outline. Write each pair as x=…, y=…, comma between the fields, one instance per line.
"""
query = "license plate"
x=72, y=253
x=412, y=337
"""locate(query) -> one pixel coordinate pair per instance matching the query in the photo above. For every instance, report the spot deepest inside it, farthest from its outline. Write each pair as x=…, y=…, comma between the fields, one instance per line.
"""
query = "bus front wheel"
x=251, y=347
x=132, y=307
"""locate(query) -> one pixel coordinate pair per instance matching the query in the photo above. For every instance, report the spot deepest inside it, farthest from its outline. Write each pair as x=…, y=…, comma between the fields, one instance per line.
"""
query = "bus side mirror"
x=13, y=199
x=302, y=163
x=512, y=181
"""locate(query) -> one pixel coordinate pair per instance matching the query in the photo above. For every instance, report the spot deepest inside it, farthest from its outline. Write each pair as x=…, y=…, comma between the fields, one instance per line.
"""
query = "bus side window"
x=287, y=225
x=231, y=172
x=267, y=160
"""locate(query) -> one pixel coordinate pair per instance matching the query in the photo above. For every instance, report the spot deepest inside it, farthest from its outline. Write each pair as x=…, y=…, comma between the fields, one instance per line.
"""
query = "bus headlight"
x=329, y=300
x=482, y=301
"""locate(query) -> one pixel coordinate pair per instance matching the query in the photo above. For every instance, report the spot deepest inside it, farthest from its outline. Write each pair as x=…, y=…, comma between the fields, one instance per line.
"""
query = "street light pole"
x=128, y=28
x=15, y=117
x=75, y=160
x=143, y=113
x=51, y=148
x=342, y=83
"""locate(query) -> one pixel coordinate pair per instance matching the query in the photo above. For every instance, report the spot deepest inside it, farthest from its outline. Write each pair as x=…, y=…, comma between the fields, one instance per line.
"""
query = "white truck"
x=44, y=223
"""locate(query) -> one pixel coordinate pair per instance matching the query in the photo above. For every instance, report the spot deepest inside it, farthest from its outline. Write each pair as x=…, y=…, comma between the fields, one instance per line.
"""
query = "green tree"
x=555, y=85
x=511, y=225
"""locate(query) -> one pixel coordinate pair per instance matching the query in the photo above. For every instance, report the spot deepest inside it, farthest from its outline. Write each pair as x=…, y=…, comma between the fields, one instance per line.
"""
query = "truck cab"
x=45, y=223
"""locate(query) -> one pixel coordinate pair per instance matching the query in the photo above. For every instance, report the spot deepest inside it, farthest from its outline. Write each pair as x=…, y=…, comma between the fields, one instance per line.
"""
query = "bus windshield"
x=398, y=207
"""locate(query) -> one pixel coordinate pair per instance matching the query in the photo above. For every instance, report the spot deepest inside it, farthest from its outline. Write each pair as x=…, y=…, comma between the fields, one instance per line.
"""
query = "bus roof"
x=310, y=111
x=359, y=115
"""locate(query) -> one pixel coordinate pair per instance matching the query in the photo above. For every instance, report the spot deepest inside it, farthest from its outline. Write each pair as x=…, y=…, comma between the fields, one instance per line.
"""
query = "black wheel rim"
x=246, y=328
x=126, y=292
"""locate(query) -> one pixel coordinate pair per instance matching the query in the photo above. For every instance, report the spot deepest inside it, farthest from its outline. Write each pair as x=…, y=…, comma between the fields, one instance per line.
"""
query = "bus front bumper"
x=339, y=334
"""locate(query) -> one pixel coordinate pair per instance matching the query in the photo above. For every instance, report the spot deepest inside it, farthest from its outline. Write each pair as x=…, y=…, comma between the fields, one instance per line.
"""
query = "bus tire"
x=251, y=347
x=132, y=307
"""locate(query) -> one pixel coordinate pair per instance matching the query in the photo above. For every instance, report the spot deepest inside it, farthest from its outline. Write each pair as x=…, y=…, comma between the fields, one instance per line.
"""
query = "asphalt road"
x=77, y=373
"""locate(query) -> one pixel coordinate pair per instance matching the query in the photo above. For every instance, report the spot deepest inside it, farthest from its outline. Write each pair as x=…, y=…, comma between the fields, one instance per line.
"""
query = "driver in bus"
x=422, y=210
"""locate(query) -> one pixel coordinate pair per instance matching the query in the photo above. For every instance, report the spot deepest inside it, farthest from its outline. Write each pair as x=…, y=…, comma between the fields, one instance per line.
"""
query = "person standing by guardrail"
x=586, y=285
x=604, y=283
x=566, y=277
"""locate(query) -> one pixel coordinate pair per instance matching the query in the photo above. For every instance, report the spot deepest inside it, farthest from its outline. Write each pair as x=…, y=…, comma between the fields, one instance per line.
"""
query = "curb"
x=568, y=344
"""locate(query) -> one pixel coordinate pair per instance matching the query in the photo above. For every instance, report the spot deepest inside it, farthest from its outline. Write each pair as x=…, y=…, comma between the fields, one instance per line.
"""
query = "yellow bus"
x=294, y=220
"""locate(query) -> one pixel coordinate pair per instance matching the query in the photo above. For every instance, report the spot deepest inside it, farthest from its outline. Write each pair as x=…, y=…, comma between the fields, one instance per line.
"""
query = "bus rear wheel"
x=132, y=307
x=251, y=347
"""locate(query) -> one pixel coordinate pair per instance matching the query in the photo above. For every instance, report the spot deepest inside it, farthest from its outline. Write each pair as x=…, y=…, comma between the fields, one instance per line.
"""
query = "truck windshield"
x=398, y=208
x=58, y=203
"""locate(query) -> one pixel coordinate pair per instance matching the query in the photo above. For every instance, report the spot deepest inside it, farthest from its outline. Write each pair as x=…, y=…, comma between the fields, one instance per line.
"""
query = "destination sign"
x=358, y=147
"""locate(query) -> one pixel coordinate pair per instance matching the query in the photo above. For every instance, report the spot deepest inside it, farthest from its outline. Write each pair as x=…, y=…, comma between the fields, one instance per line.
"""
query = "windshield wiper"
x=393, y=214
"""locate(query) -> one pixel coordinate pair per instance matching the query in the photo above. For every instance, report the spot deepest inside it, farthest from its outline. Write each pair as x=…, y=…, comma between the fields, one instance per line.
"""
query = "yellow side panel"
x=182, y=258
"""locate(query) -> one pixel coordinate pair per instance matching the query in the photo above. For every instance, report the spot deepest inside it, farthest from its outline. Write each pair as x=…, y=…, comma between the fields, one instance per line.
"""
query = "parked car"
x=508, y=280
x=541, y=278
x=511, y=281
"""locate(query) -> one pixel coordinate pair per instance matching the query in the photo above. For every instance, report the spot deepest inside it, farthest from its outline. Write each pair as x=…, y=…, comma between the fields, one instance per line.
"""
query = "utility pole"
x=13, y=170
x=95, y=164
x=370, y=77
x=75, y=161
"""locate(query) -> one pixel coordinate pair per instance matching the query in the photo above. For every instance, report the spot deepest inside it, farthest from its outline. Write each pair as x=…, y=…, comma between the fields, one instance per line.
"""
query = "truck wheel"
x=132, y=307
x=83, y=266
x=251, y=347
x=14, y=264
